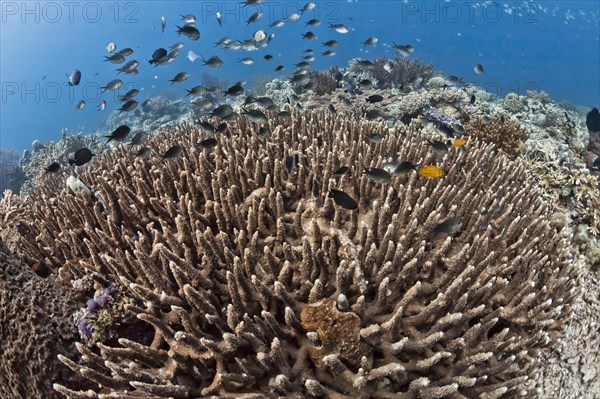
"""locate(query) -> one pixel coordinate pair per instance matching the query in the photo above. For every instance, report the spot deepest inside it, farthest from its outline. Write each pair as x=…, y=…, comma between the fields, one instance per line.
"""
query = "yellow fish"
x=431, y=171
x=458, y=143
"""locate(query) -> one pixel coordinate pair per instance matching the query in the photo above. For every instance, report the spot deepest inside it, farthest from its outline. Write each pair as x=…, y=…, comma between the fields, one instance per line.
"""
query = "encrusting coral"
x=35, y=326
x=243, y=269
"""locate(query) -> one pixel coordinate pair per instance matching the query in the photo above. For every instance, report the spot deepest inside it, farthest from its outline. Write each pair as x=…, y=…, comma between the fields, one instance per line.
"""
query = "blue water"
x=550, y=46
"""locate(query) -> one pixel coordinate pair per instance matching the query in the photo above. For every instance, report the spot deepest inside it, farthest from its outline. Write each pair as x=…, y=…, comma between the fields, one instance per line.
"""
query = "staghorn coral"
x=505, y=133
x=35, y=326
x=226, y=253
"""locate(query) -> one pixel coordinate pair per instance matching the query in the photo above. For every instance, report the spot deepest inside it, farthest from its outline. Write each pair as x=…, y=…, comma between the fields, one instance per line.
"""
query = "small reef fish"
x=115, y=58
x=254, y=18
x=80, y=105
x=308, y=7
x=375, y=138
x=128, y=106
x=158, y=55
x=139, y=138
x=126, y=51
x=129, y=95
x=375, y=98
x=341, y=171
x=52, y=168
x=431, y=171
x=208, y=143
x=439, y=147
x=189, y=19
x=342, y=199
x=458, y=143
x=191, y=32
x=223, y=111
x=478, y=69
x=291, y=163
x=377, y=175
x=213, y=62
x=404, y=49
x=256, y=116
x=404, y=167
x=163, y=23
x=75, y=77
x=205, y=126
x=114, y=84
x=180, y=77
x=219, y=18
x=110, y=47
x=339, y=28
x=143, y=152
x=119, y=134
x=172, y=153
x=449, y=226
x=371, y=41
x=102, y=106
x=81, y=157
x=252, y=3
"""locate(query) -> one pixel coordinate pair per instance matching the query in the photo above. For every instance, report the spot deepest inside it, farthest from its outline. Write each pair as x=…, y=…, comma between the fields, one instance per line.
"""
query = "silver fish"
x=339, y=28
x=114, y=84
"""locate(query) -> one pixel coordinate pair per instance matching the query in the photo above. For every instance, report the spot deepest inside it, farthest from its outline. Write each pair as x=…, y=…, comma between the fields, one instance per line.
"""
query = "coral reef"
x=236, y=266
x=505, y=133
x=280, y=91
x=326, y=81
x=11, y=173
x=35, y=326
x=404, y=72
x=513, y=103
x=34, y=163
x=159, y=111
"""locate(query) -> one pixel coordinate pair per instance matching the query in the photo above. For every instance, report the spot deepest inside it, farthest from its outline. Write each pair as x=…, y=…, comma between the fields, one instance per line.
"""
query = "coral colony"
x=244, y=278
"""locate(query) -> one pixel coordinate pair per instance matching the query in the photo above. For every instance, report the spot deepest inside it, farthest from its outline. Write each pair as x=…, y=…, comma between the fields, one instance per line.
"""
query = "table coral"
x=224, y=249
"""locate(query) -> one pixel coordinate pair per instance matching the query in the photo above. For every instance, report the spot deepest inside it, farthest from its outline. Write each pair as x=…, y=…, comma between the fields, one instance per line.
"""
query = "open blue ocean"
x=552, y=46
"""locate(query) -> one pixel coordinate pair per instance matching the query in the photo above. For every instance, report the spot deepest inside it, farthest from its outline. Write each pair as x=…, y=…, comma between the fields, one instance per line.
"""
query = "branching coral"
x=505, y=133
x=326, y=81
x=403, y=73
x=243, y=271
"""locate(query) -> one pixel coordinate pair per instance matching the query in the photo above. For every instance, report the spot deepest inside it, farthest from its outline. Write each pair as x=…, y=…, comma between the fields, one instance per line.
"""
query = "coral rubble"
x=251, y=282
